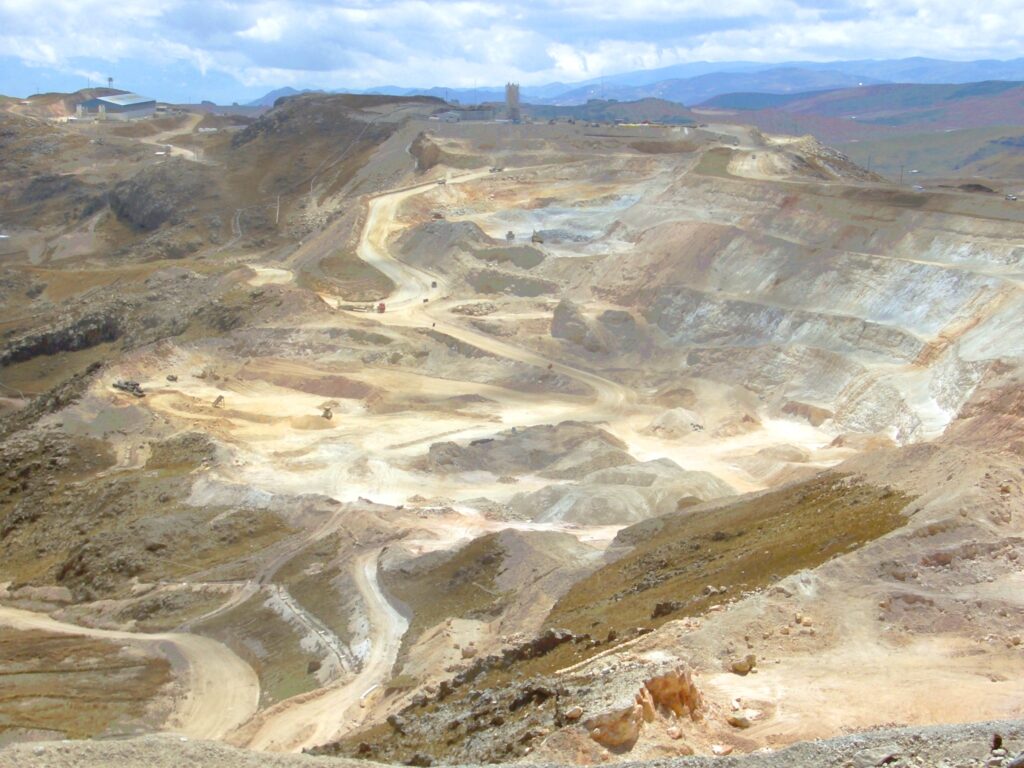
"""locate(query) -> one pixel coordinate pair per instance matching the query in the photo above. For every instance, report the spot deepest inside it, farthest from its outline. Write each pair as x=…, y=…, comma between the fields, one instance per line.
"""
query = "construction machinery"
x=131, y=387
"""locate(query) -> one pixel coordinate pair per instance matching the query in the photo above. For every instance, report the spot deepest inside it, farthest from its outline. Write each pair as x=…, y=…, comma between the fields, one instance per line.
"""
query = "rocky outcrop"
x=60, y=396
x=523, y=256
x=569, y=449
x=498, y=281
x=619, y=494
x=622, y=327
x=671, y=694
x=165, y=193
x=815, y=415
x=68, y=334
x=426, y=152
x=432, y=243
x=68, y=190
x=492, y=712
x=568, y=322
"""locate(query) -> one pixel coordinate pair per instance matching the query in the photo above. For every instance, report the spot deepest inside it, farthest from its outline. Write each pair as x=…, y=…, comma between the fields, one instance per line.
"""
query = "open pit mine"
x=348, y=432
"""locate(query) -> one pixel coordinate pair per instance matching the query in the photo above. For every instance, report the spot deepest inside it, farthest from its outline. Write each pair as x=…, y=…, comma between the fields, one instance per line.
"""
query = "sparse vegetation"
x=120, y=527
x=322, y=586
x=457, y=585
x=736, y=548
x=593, y=324
x=270, y=645
x=744, y=546
x=67, y=686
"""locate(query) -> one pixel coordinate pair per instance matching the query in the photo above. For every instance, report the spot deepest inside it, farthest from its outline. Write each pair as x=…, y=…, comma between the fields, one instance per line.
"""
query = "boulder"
x=744, y=666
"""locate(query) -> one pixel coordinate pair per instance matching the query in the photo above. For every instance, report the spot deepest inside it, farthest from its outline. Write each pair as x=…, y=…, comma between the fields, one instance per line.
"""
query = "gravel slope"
x=956, y=746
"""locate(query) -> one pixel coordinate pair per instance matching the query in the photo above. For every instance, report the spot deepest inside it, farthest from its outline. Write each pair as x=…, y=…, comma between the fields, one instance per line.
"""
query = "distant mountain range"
x=694, y=90
x=876, y=111
x=697, y=82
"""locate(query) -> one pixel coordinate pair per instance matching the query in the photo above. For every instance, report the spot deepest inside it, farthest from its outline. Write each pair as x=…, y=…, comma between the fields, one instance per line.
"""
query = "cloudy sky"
x=228, y=50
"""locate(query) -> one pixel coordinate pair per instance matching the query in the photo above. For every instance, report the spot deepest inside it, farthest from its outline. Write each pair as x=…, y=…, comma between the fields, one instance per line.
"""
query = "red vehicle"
x=381, y=307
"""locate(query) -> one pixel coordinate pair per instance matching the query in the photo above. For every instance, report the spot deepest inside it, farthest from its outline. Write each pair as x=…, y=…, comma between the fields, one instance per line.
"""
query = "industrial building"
x=512, y=102
x=467, y=114
x=120, y=106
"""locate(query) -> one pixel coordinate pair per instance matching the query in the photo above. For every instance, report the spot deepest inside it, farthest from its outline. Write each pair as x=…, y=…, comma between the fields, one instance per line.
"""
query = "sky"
x=236, y=50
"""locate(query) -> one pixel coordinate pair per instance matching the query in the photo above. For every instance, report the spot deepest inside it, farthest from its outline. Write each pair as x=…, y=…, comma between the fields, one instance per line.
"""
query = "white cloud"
x=268, y=29
x=360, y=43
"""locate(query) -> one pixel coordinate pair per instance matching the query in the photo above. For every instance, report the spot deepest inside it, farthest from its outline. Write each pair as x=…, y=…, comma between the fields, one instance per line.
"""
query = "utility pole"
x=277, y=216
x=901, y=174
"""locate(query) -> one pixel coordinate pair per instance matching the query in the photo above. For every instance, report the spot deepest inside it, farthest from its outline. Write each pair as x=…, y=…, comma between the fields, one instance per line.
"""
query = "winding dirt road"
x=220, y=690
x=160, y=139
x=331, y=712
x=409, y=305
x=416, y=304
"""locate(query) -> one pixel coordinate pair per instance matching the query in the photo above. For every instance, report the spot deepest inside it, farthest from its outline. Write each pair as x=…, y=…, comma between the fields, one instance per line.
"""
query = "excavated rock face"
x=426, y=152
